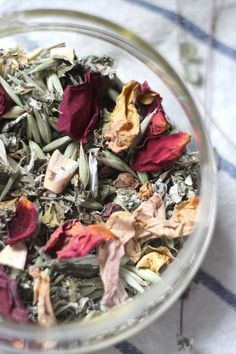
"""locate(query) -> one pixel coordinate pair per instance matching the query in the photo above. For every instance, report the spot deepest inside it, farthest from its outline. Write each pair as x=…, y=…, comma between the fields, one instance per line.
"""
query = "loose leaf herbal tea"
x=98, y=189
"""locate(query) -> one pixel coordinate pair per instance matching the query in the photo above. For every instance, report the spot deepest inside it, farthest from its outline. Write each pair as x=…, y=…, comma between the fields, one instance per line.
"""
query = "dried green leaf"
x=54, y=82
x=90, y=204
x=115, y=162
x=83, y=167
x=14, y=112
x=36, y=149
x=71, y=151
x=57, y=143
x=48, y=63
x=54, y=216
x=32, y=129
x=44, y=127
x=10, y=92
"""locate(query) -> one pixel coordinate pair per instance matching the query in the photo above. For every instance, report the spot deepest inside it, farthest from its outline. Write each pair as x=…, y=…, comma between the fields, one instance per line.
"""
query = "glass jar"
x=134, y=59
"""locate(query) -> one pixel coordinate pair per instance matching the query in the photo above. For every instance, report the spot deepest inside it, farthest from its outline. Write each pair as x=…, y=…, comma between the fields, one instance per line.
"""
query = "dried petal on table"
x=63, y=235
x=160, y=152
x=5, y=101
x=109, y=209
x=126, y=180
x=109, y=256
x=155, y=258
x=14, y=256
x=25, y=222
x=65, y=53
x=125, y=120
x=146, y=191
x=59, y=172
x=79, y=109
x=46, y=317
x=85, y=241
x=11, y=306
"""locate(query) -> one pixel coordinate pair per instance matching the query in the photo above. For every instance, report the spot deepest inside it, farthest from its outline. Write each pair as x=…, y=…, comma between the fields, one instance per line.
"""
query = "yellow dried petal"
x=146, y=191
x=155, y=260
x=124, y=120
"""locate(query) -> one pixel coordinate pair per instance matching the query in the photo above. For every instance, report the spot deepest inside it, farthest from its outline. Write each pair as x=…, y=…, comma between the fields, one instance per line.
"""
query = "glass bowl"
x=135, y=59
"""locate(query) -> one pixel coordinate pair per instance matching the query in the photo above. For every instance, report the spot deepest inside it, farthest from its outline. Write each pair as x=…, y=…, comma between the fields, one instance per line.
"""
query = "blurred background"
x=198, y=38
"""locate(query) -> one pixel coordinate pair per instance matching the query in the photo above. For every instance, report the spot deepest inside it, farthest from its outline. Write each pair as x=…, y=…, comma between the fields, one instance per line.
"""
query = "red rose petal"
x=160, y=152
x=158, y=124
x=79, y=109
x=5, y=101
x=10, y=305
x=25, y=222
x=63, y=235
x=85, y=241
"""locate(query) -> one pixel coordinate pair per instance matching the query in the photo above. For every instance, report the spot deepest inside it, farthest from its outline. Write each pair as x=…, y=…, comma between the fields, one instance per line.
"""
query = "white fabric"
x=208, y=318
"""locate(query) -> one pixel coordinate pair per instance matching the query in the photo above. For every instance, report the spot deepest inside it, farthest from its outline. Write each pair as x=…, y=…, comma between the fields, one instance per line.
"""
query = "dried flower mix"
x=94, y=180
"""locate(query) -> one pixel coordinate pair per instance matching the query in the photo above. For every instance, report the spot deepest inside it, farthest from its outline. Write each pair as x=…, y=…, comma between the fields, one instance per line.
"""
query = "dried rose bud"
x=79, y=109
x=126, y=180
x=109, y=209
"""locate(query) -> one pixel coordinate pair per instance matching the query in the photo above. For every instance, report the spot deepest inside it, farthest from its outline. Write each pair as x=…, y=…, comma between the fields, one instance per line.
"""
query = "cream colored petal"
x=14, y=256
x=151, y=208
x=46, y=317
x=121, y=223
x=65, y=53
x=133, y=250
x=59, y=172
